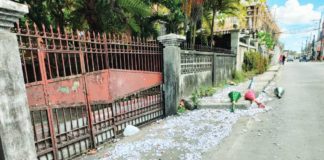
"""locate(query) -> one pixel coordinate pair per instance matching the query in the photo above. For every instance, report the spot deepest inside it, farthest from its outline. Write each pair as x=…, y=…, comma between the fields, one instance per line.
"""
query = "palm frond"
x=135, y=7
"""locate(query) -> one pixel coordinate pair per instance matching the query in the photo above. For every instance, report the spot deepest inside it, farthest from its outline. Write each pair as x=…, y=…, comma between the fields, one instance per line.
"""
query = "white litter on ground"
x=186, y=136
x=130, y=130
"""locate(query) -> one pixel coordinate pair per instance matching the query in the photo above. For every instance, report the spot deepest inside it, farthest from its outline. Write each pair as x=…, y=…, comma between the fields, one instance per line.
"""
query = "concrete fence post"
x=171, y=71
x=16, y=135
x=235, y=47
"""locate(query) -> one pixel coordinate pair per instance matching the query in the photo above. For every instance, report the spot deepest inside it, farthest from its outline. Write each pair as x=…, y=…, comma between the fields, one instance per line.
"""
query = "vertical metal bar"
x=115, y=51
x=71, y=119
x=78, y=125
x=151, y=55
x=61, y=48
x=118, y=53
x=52, y=132
x=106, y=50
x=81, y=58
x=123, y=51
x=75, y=55
x=101, y=51
x=138, y=48
x=111, y=51
x=64, y=119
x=35, y=129
x=142, y=55
x=24, y=63
x=146, y=55
x=113, y=115
x=96, y=53
x=42, y=125
x=135, y=53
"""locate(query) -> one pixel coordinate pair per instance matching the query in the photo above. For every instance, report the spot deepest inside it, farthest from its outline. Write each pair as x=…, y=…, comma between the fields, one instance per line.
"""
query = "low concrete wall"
x=224, y=67
x=200, y=69
x=190, y=82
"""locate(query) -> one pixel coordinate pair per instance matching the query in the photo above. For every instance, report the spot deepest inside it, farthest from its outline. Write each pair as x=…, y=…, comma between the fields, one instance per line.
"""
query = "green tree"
x=193, y=10
x=221, y=7
x=266, y=39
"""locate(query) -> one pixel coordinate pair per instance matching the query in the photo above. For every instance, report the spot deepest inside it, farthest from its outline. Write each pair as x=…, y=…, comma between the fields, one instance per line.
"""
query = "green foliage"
x=239, y=76
x=195, y=98
x=254, y=61
x=266, y=39
x=204, y=91
x=133, y=16
x=222, y=8
x=181, y=109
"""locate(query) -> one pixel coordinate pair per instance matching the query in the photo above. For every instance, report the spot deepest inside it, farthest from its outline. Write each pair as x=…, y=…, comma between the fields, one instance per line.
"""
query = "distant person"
x=280, y=59
x=283, y=59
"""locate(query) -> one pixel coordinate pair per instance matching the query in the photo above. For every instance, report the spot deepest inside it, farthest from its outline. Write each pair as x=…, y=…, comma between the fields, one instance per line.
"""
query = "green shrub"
x=254, y=61
x=195, y=98
x=239, y=76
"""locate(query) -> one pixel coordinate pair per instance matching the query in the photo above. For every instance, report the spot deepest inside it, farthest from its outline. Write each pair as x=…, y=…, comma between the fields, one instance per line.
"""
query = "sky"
x=297, y=19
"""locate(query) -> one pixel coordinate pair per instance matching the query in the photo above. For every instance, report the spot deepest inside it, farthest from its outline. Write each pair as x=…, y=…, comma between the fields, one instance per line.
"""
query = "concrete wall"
x=16, y=134
x=224, y=67
x=214, y=68
x=190, y=82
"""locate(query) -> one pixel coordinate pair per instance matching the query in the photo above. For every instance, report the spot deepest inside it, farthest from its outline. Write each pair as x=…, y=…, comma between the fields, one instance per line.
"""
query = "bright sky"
x=297, y=16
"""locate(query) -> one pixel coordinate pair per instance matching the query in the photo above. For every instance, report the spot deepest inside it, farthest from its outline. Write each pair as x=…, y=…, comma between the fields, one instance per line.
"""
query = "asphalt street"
x=293, y=129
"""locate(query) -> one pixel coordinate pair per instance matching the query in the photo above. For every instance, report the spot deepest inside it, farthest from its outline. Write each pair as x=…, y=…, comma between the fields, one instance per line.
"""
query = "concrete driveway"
x=294, y=129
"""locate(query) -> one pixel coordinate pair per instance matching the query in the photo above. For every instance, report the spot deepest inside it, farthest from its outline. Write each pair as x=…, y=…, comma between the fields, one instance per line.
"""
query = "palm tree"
x=193, y=10
x=112, y=15
x=228, y=7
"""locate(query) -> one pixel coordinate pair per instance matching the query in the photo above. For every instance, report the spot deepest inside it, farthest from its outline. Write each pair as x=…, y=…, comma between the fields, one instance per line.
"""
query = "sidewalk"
x=220, y=100
x=187, y=136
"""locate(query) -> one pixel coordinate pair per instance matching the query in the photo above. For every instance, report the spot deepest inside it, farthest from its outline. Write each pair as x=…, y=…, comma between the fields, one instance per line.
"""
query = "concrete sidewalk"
x=220, y=100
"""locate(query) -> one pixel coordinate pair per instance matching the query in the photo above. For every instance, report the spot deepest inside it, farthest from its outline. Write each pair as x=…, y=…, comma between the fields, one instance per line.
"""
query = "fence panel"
x=84, y=88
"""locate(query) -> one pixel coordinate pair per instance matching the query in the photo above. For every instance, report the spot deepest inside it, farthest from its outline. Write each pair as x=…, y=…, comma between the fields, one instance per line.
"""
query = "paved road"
x=294, y=129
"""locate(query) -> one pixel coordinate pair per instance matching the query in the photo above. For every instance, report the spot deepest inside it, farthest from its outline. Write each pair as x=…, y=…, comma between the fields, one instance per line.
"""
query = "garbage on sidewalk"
x=279, y=92
x=234, y=96
x=250, y=95
x=130, y=130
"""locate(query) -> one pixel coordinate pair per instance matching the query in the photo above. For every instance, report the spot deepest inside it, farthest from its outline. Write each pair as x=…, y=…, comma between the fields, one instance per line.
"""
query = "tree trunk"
x=194, y=35
x=212, y=29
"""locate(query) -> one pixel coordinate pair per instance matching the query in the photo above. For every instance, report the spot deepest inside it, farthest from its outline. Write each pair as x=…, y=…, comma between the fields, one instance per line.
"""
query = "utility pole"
x=313, y=49
x=306, y=47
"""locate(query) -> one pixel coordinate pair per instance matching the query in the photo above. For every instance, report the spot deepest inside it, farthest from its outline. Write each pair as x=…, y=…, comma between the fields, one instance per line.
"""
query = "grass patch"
x=241, y=76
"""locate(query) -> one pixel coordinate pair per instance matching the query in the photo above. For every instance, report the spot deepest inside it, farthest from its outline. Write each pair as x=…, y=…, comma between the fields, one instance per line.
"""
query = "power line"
x=298, y=31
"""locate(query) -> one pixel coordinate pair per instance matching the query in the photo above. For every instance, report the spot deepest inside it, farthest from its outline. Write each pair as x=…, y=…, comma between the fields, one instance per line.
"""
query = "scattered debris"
x=188, y=136
x=130, y=130
x=250, y=95
x=92, y=151
x=234, y=96
x=231, y=83
x=279, y=91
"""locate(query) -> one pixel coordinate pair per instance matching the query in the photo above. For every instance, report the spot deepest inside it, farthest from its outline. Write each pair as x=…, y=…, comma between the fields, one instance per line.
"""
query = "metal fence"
x=83, y=88
x=204, y=48
x=193, y=63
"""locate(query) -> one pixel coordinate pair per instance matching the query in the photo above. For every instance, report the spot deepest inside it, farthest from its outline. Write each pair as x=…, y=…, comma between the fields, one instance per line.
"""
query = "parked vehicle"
x=290, y=59
x=303, y=59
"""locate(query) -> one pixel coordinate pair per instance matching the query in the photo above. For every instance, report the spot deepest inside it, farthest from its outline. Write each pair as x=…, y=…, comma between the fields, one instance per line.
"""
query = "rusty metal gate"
x=83, y=88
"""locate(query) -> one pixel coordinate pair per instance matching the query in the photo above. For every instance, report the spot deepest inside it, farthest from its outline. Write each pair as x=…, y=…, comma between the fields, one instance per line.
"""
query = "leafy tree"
x=221, y=7
x=110, y=15
x=193, y=10
x=266, y=39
